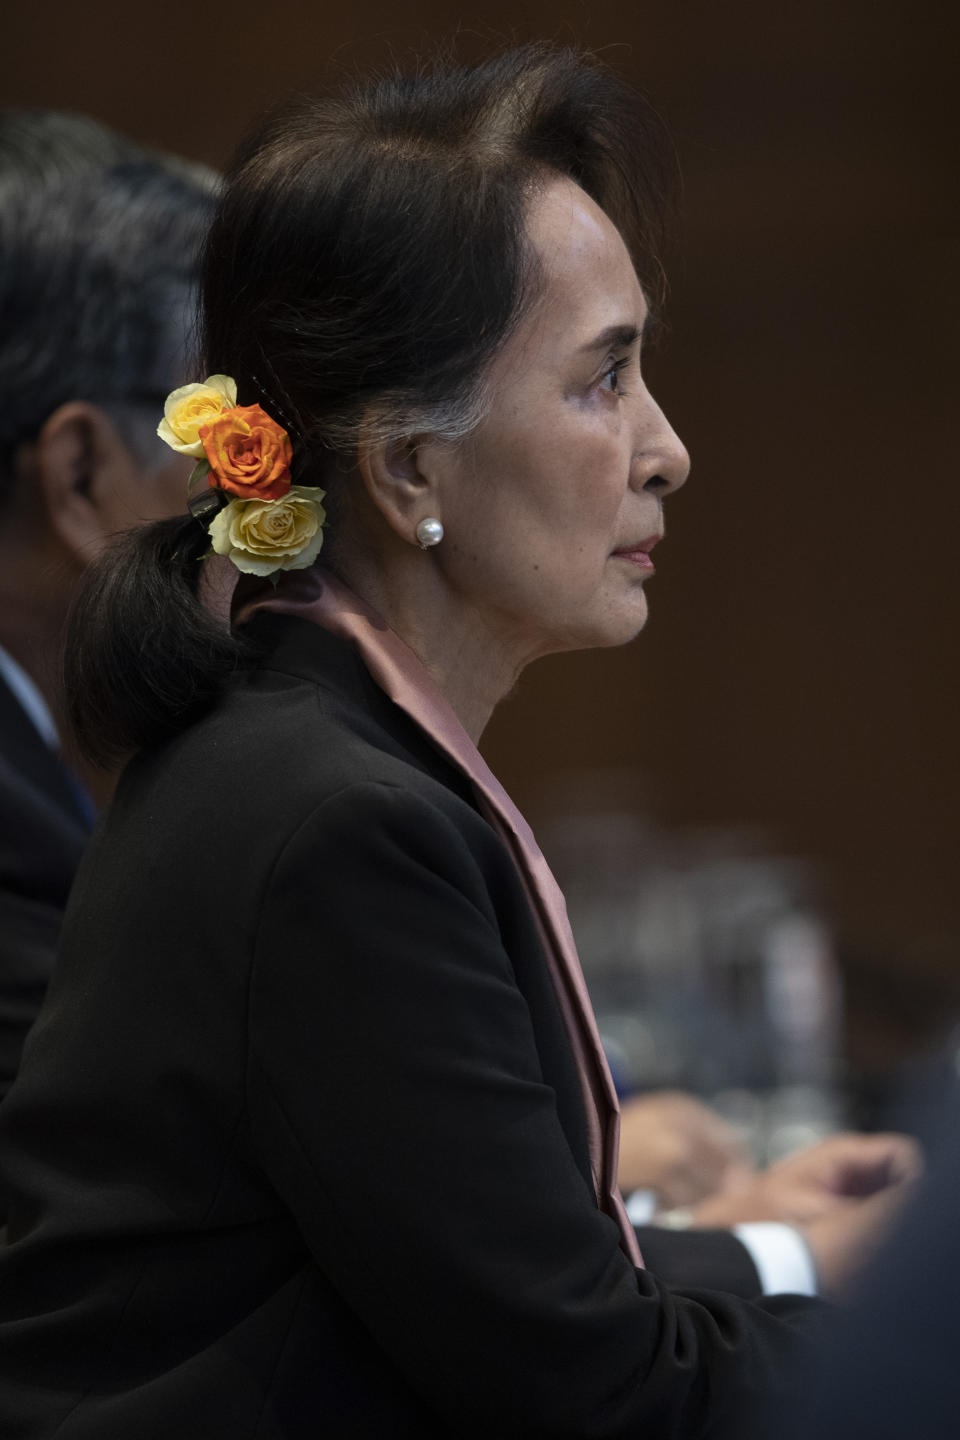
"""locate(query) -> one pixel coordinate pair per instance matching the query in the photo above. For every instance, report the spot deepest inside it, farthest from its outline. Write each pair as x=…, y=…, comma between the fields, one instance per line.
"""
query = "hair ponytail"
x=143, y=657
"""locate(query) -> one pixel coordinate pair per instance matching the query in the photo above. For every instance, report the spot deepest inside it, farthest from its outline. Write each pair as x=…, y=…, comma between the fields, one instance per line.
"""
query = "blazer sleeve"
x=40, y=849
x=709, y=1259
x=389, y=1038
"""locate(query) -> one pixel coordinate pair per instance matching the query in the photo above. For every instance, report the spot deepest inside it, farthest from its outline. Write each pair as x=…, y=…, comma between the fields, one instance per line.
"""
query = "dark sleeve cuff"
x=700, y=1259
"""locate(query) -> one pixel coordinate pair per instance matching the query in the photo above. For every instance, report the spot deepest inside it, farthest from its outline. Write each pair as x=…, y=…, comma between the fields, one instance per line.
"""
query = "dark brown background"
x=799, y=671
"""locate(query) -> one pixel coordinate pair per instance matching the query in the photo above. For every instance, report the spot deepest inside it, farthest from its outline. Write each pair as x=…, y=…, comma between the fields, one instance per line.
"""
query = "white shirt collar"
x=30, y=699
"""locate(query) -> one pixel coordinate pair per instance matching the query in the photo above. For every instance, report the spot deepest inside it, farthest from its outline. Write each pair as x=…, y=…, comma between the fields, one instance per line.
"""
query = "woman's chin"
x=617, y=626
x=626, y=622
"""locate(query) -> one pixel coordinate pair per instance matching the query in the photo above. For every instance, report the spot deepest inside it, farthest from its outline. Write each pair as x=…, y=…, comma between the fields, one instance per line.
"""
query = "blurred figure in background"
x=99, y=242
x=711, y=972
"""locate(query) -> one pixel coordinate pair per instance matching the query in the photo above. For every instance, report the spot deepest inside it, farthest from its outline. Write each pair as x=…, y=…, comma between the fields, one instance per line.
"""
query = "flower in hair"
x=263, y=536
x=248, y=452
x=190, y=407
x=250, y=509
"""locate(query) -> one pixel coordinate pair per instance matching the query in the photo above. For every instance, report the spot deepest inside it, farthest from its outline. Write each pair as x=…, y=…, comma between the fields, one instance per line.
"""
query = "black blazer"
x=42, y=835
x=297, y=1147
x=43, y=829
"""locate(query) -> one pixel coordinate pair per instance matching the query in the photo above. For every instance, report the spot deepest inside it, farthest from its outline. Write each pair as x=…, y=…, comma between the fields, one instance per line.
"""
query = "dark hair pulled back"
x=367, y=261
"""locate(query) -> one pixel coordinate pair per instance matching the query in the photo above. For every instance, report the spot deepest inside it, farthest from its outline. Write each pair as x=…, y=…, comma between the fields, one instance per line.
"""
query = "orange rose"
x=249, y=453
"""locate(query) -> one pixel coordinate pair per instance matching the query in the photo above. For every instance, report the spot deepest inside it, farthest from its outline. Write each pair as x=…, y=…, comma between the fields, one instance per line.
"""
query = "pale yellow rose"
x=262, y=536
x=186, y=409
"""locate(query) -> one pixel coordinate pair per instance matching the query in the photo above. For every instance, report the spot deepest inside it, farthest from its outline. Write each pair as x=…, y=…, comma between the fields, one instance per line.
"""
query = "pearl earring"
x=429, y=532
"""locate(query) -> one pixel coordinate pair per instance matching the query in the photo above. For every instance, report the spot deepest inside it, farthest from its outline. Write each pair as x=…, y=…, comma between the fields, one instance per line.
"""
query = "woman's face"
x=552, y=505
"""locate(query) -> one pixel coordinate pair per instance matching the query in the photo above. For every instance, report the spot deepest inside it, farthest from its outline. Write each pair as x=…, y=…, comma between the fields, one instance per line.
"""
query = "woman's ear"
x=403, y=479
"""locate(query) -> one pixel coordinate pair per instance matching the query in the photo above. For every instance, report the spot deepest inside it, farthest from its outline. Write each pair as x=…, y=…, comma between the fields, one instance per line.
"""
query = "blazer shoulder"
x=285, y=737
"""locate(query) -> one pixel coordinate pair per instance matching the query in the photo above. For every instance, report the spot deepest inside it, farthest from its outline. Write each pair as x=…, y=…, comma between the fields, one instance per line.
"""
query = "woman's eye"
x=611, y=379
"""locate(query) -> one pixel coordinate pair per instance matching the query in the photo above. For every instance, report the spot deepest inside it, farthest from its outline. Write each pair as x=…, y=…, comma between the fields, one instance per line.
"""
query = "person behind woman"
x=314, y=1135
x=99, y=244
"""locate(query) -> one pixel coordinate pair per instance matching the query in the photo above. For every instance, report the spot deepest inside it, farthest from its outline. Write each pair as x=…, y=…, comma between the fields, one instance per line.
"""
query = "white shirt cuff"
x=781, y=1257
x=640, y=1206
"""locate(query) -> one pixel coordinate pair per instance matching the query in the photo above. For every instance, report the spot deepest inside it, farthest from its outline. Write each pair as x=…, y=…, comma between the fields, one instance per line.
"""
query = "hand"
x=843, y=1239
x=672, y=1144
x=839, y=1172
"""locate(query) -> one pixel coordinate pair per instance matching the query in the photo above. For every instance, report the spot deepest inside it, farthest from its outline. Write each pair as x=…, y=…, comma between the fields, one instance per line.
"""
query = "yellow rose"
x=261, y=536
x=186, y=409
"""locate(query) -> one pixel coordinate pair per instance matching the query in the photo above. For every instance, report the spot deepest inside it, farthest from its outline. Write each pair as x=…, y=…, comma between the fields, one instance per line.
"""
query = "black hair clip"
x=203, y=507
x=206, y=504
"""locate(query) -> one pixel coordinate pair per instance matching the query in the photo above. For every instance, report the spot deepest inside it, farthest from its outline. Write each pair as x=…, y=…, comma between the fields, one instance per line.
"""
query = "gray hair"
x=99, y=248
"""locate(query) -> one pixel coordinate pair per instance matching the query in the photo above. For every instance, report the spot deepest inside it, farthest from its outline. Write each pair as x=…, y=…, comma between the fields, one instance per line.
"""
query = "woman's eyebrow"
x=614, y=337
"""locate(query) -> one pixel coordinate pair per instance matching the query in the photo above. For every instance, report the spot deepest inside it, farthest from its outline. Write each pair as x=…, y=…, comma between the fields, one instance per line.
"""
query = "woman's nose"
x=661, y=463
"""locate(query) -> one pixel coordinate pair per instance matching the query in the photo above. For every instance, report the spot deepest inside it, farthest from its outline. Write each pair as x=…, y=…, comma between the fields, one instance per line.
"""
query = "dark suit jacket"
x=887, y=1368
x=42, y=834
x=297, y=1147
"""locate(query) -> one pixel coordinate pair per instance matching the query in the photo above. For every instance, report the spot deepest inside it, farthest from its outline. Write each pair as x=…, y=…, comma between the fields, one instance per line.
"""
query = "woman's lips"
x=639, y=554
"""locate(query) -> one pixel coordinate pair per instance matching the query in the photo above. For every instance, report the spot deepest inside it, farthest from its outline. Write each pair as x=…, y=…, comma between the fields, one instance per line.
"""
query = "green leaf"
x=199, y=472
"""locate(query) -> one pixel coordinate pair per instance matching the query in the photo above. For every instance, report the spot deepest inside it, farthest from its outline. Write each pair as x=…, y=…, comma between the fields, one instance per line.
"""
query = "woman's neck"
x=473, y=664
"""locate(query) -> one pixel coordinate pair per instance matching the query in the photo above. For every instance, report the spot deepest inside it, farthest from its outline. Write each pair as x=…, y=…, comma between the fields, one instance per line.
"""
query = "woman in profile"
x=314, y=1136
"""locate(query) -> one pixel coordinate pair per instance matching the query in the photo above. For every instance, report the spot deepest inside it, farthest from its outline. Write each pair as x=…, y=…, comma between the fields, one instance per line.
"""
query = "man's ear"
x=403, y=481
x=79, y=459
